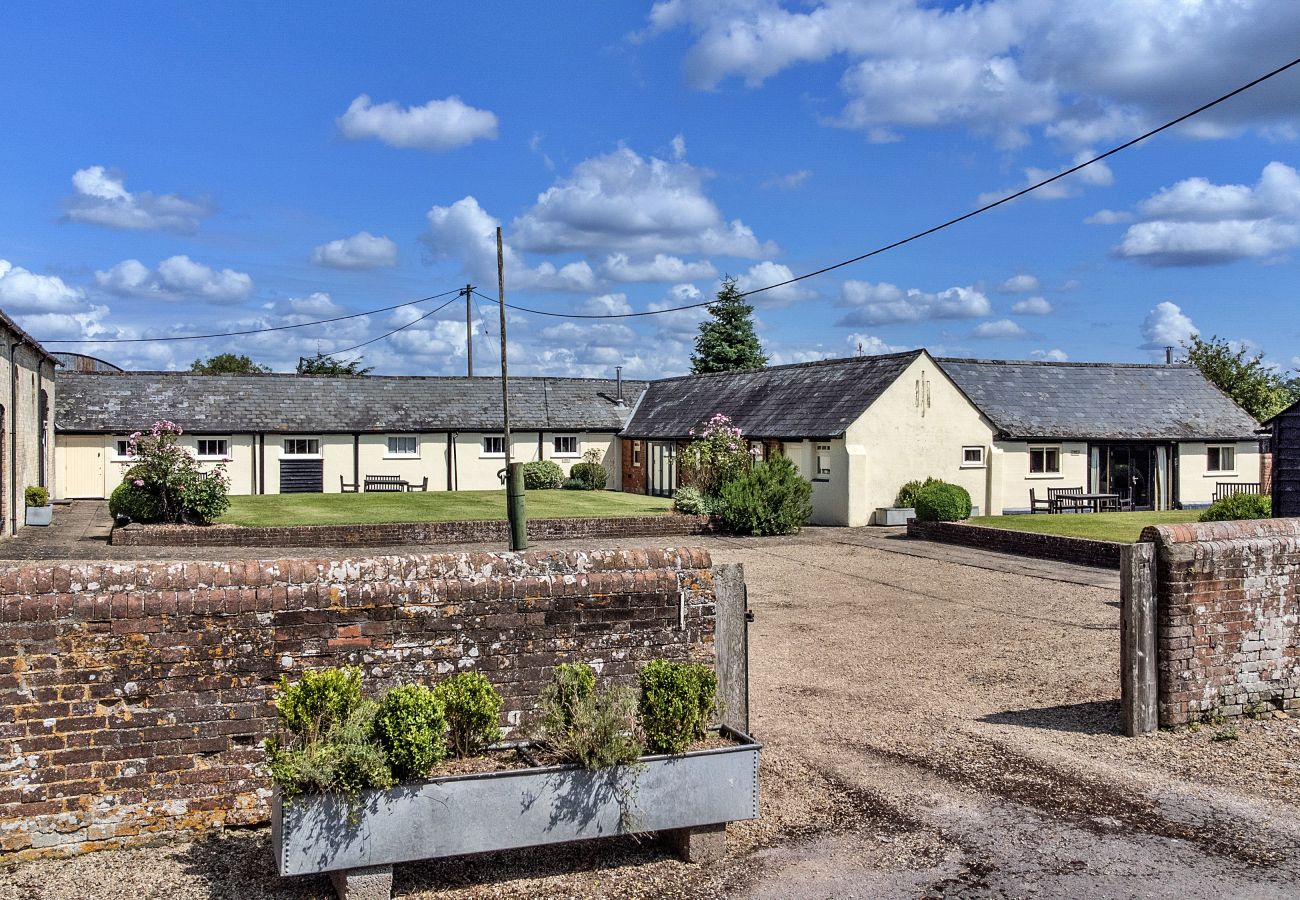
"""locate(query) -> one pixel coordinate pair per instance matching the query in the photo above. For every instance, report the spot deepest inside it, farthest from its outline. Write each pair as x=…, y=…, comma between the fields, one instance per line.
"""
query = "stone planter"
x=689, y=798
x=40, y=515
x=893, y=515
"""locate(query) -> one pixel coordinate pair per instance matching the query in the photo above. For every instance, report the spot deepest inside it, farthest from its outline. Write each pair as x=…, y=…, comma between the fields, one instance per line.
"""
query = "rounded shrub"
x=472, y=708
x=542, y=475
x=677, y=699
x=942, y=502
x=689, y=501
x=412, y=730
x=906, y=498
x=591, y=475
x=139, y=504
x=1239, y=506
x=36, y=496
x=319, y=700
x=770, y=498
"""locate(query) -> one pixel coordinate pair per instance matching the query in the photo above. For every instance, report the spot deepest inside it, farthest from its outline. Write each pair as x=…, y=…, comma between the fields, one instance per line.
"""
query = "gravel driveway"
x=931, y=729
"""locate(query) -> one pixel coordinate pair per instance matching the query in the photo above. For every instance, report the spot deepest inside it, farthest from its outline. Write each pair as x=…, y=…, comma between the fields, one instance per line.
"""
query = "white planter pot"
x=894, y=515
x=40, y=515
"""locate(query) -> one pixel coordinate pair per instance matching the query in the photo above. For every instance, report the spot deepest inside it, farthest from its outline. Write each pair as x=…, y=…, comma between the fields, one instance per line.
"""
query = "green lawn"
x=364, y=509
x=1125, y=527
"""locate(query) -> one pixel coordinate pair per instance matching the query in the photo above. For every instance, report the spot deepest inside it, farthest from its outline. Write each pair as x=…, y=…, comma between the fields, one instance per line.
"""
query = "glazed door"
x=663, y=469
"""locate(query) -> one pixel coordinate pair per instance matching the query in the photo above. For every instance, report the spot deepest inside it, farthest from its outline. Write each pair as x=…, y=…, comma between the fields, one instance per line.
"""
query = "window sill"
x=214, y=459
x=491, y=456
x=973, y=466
x=401, y=456
x=1046, y=476
x=822, y=480
x=307, y=456
x=1230, y=474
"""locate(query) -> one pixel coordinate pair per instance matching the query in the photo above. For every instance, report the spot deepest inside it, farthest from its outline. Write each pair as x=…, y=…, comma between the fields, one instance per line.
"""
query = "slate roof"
x=805, y=400
x=1099, y=401
x=124, y=402
x=23, y=337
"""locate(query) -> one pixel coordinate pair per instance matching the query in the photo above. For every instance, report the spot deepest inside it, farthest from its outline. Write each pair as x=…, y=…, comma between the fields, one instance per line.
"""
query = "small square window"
x=565, y=445
x=122, y=448
x=403, y=445
x=1044, y=460
x=302, y=447
x=636, y=453
x=1220, y=459
x=494, y=445
x=972, y=457
x=214, y=448
x=823, y=461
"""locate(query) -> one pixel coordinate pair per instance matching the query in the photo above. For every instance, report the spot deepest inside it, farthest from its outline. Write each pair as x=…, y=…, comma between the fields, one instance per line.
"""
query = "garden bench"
x=1223, y=489
x=1062, y=499
x=385, y=483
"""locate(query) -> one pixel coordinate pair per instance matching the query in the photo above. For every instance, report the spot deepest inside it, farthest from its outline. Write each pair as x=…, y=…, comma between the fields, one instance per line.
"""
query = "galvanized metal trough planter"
x=516, y=808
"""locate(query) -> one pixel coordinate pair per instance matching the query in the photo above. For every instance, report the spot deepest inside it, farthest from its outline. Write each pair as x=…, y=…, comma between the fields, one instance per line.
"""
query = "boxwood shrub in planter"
x=353, y=788
x=39, y=509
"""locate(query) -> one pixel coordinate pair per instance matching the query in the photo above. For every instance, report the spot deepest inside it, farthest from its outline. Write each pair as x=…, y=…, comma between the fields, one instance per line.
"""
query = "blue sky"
x=179, y=169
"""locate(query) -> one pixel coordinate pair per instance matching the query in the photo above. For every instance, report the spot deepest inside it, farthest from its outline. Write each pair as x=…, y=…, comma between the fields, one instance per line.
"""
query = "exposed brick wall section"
x=1080, y=551
x=633, y=476
x=1227, y=617
x=1266, y=473
x=135, y=697
x=398, y=534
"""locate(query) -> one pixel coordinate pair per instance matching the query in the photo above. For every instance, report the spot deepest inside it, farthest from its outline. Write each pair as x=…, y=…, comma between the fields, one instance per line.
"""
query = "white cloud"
x=883, y=303
x=624, y=202
x=22, y=291
x=606, y=305
x=315, y=306
x=1166, y=326
x=870, y=345
x=100, y=198
x=1032, y=306
x=176, y=278
x=1196, y=223
x=788, y=181
x=1108, y=217
x=1053, y=355
x=361, y=251
x=1019, y=284
x=662, y=268
x=437, y=125
x=1096, y=175
x=679, y=147
x=465, y=231
x=1002, y=329
x=768, y=272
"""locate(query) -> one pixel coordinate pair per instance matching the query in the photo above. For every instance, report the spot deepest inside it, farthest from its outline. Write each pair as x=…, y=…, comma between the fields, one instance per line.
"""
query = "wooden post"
x=514, y=510
x=1139, y=685
x=515, y=506
x=469, y=332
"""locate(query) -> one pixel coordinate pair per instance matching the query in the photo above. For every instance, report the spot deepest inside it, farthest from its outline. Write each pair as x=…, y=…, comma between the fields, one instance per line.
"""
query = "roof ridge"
x=1062, y=363
x=799, y=365
x=295, y=375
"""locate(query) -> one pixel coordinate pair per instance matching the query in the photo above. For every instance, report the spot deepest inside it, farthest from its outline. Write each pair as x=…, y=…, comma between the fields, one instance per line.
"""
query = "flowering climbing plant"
x=715, y=456
x=169, y=478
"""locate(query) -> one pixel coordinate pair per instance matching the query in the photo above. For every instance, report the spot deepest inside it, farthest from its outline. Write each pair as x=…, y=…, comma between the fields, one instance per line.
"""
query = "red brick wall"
x=1266, y=473
x=634, y=477
x=1080, y=551
x=134, y=698
x=1228, y=617
x=397, y=534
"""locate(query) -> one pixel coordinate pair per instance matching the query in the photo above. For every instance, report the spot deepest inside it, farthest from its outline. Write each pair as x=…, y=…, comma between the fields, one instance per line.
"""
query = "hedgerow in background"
x=1239, y=506
x=770, y=498
x=542, y=475
x=716, y=455
x=472, y=708
x=942, y=502
x=412, y=730
x=677, y=699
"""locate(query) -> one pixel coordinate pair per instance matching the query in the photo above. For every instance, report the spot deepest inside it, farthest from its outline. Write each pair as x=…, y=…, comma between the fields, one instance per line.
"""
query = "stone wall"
x=134, y=698
x=1080, y=551
x=406, y=533
x=1227, y=618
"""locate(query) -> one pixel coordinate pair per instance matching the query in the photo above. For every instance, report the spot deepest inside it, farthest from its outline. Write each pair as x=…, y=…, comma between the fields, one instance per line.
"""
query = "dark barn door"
x=302, y=476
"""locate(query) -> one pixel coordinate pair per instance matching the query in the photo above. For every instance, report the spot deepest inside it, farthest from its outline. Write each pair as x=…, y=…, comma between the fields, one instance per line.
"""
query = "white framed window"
x=122, y=450
x=636, y=453
x=823, y=458
x=565, y=445
x=972, y=457
x=213, y=448
x=403, y=445
x=494, y=445
x=302, y=447
x=1044, y=460
x=1221, y=459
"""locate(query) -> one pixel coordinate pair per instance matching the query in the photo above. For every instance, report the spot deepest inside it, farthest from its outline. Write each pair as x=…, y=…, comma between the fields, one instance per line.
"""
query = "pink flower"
x=139, y=482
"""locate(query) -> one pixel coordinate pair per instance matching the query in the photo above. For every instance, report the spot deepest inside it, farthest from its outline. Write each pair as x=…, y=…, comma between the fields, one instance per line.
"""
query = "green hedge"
x=1239, y=506
x=942, y=502
x=770, y=498
x=543, y=475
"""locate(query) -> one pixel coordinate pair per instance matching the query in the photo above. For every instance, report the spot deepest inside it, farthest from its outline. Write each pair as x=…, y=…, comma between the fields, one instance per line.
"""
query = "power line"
x=199, y=337
x=437, y=309
x=948, y=224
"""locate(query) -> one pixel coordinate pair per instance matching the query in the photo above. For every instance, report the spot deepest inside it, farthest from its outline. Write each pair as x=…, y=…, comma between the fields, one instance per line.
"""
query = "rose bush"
x=165, y=480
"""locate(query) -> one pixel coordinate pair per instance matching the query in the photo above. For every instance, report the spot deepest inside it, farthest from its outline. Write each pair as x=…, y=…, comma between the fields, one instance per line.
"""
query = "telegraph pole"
x=469, y=333
x=514, y=471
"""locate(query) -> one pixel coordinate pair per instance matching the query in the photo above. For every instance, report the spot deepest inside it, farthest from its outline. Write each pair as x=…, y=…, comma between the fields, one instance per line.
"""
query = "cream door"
x=83, y=466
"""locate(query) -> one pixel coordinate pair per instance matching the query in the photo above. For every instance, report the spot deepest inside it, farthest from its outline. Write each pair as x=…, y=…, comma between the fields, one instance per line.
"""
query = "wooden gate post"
x=731, y=643
x=1139, y=685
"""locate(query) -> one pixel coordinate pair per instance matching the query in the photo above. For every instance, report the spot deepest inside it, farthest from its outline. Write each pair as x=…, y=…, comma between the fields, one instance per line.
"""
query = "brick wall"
x=134, y=698
x=398, y=534
x=1227, y=617
x=634, y=476
x=1266, y=473
x=1080, y=551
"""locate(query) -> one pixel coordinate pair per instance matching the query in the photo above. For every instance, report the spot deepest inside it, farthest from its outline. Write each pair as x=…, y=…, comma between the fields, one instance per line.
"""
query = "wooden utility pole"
x=514, y=471
x=469, y=333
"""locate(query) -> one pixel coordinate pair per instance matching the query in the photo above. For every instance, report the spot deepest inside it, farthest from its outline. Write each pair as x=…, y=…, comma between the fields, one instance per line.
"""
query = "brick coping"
x=1055, y=547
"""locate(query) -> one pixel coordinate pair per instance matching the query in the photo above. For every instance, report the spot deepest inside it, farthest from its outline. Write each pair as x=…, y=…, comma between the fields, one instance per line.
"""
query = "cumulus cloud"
x=1053, y=355
x=361, y=251
x=100, y=197
x=22, y=291
x=766, y=273
x=1108, y=217
x=314, y=306
x=623, y=202
x=788, y=181
x=1166, y=326
x=1002, y=329
x=662, y=268
x=1198, y=223
x=1096, y=175
x=870, y=345
x=679, y=146
x=1032, y=306
x=883, y=303
x=437, y=125
x=1019, y=284
x=176, y=278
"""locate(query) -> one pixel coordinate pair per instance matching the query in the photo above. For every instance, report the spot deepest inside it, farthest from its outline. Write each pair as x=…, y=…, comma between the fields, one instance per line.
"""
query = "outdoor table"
x=1096, y=500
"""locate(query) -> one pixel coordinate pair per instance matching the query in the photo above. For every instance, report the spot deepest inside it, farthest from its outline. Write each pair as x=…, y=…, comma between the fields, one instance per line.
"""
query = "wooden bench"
x=385, y=483
x=1223, y=489
x=1062, y=499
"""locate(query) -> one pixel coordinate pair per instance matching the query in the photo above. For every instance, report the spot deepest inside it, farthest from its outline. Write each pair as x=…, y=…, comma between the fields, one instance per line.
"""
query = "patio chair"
x=1035, y=505
x=347, y=487
x=422, y=486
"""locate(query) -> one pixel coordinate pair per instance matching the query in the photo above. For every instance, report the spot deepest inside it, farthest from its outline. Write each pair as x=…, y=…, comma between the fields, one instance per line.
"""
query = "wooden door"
x=83, y=467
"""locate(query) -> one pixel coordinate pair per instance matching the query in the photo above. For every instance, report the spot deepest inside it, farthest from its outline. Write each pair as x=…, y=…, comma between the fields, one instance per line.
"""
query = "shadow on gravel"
x=1095, y=717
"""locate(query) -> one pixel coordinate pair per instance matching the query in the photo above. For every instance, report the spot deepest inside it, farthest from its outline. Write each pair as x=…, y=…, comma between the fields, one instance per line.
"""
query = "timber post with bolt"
x=1139, y=687
x=515, y=511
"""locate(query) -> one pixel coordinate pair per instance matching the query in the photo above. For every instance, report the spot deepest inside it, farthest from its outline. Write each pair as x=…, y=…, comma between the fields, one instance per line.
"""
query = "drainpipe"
x=453, y=473
x=261, y=463
x=356, y=458
x=13, y=439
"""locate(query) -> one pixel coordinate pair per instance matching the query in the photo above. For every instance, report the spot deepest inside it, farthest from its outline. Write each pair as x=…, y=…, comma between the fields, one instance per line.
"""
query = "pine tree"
x=727, y=342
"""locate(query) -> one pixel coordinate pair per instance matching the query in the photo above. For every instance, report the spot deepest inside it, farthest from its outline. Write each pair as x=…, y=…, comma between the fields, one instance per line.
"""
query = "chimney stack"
x=1169, y=356
x=618, y=386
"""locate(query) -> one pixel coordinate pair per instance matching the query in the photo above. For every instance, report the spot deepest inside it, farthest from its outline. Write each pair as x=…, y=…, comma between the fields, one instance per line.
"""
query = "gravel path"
x=931, y=729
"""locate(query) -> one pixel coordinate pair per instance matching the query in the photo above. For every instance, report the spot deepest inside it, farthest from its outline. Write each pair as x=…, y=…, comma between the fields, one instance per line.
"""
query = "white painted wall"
x=1196, y=484
x=1017, y=480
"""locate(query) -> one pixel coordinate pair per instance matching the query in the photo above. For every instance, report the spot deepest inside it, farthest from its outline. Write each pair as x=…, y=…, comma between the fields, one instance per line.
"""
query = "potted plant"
x=39, y=509
x=422, y=773
x=904, y=507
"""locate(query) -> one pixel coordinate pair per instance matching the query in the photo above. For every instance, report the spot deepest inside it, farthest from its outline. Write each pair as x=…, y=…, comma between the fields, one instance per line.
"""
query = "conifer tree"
x=727, y=342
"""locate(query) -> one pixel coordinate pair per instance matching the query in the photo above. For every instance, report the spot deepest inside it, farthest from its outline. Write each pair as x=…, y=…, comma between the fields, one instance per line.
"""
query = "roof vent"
x=618, y=386
x=1169, y=356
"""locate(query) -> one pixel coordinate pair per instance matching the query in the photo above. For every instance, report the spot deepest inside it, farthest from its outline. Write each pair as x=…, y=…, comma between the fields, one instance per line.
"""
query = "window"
x=823, y=462
x=972, y=457
x=403, y=445
x=302, y=446
x=122, y=448
x=756, y=450
x=565, y=444
x=636, y=453
x=494, y=445
x=1220, y=459
x=1044, y=460
x=214, y=448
